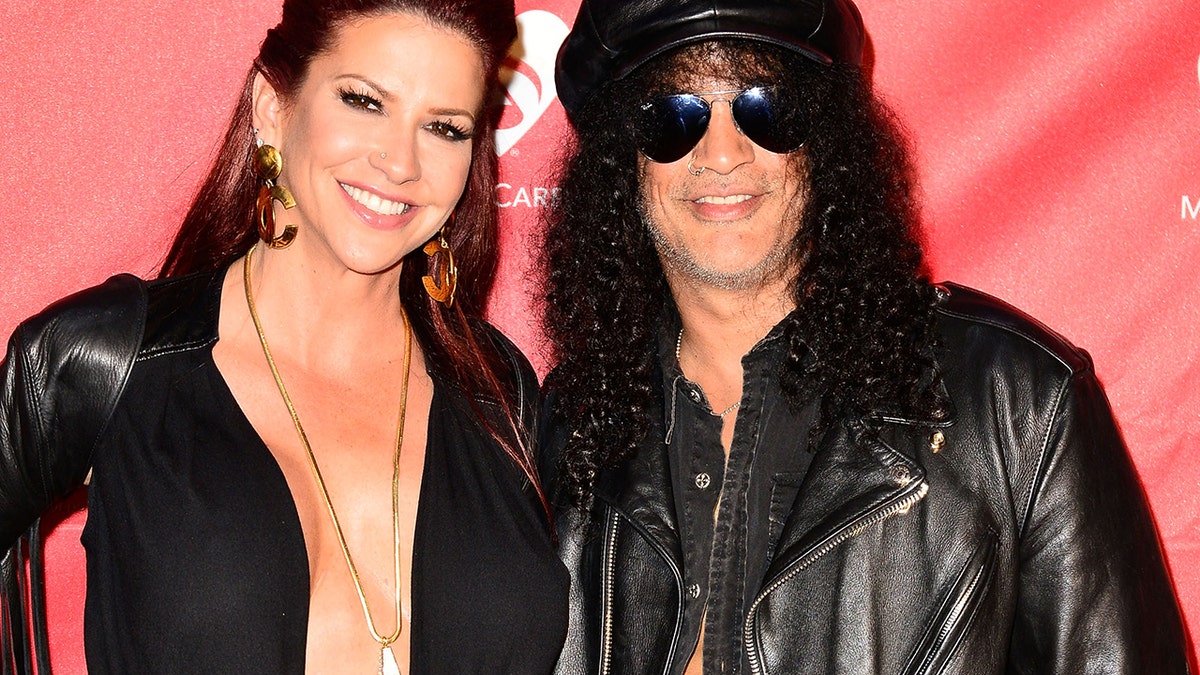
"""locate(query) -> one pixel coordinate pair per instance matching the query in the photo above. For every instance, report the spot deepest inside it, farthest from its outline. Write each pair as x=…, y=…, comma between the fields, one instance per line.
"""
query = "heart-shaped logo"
x=529, y=74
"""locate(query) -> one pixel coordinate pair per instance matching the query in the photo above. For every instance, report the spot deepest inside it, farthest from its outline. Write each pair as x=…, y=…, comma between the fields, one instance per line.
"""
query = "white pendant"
x=387, y=662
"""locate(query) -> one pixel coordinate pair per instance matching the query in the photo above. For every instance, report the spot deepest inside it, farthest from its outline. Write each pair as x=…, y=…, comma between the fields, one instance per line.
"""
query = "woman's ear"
x=267, y=111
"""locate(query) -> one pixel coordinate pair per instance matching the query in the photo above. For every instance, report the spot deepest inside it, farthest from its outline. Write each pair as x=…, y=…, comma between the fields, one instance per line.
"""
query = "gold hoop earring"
x=441, y=260
x=267, y=165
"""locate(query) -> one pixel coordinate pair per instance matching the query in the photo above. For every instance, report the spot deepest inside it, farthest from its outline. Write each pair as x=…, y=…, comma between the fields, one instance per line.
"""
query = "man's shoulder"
x=983, y=328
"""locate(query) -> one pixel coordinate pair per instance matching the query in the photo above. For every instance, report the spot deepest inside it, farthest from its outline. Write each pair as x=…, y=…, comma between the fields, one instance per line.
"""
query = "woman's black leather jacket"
x=1021, y=543
x=65, y=371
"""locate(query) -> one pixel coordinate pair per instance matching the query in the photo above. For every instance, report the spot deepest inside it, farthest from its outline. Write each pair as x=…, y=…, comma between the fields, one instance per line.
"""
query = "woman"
x=292, y=465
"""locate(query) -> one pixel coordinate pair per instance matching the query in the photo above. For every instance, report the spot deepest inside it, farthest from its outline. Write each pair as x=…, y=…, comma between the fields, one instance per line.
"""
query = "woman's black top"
x=197, y=562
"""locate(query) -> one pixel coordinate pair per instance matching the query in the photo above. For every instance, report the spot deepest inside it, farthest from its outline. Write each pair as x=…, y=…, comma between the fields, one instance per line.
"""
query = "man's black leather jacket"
x=1023, y=544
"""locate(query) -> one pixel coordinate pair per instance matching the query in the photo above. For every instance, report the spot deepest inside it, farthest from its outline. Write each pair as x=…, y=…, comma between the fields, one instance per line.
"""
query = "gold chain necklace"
x=387, y=660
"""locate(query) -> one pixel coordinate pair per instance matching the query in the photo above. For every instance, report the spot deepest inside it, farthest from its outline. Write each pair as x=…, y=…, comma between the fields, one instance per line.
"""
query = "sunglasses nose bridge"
x=724, y=146
x=729, y=98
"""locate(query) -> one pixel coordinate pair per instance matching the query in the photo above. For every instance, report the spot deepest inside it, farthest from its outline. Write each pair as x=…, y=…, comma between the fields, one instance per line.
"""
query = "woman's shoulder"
x=122, y=318
x=110, y=315
x=512, y=372
x=182, y=312
x=64, y=371
x=508, y=355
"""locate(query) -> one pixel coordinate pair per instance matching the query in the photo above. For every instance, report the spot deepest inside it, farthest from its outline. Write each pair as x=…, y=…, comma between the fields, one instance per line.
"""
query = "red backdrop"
x=1057, y=144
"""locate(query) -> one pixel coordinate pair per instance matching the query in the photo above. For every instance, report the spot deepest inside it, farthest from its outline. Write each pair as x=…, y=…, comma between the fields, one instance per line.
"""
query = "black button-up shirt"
x=751, y=494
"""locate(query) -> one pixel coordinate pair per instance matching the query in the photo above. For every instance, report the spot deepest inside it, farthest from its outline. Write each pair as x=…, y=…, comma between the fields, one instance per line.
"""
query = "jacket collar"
x=862, y=467
x=942, y=421
x=182, y=313
x=860, y=473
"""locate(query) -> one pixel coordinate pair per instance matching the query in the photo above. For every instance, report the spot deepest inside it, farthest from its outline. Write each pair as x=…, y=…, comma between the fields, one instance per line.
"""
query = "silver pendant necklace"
x=723, y=413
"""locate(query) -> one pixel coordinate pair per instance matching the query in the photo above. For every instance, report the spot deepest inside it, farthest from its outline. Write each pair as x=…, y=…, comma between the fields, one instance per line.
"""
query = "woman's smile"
x=380, y=205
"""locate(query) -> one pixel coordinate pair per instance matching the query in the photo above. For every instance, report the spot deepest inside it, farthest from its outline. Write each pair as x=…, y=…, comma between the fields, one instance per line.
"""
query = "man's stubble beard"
x=695, y=270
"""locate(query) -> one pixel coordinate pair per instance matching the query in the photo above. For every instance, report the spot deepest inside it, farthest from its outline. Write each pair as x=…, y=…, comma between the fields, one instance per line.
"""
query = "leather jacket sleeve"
x=1093, y=589
x=59, y=383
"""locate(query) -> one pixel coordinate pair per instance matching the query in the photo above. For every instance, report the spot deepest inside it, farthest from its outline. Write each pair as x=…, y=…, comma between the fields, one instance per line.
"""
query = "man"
x=779, y=447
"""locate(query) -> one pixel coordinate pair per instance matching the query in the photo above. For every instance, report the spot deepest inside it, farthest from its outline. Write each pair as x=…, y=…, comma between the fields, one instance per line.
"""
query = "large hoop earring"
x=441, y=259
x=267, y=165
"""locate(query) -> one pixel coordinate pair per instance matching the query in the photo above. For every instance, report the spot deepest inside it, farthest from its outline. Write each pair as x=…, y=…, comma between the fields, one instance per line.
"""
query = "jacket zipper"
x=610, y=544
x=956, y=614
x=609, y=563
x=867, y=521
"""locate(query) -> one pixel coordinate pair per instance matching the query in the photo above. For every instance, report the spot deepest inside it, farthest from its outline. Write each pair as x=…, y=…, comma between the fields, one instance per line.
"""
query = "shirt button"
x=703, y=480
x=693, y=591
x=693, y=394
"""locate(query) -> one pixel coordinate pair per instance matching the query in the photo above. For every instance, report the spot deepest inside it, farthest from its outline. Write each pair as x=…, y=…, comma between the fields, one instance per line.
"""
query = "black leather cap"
x=610, y=38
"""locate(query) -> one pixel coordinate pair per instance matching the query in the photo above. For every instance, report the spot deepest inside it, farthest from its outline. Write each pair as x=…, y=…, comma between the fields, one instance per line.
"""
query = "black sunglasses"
x=670, y=126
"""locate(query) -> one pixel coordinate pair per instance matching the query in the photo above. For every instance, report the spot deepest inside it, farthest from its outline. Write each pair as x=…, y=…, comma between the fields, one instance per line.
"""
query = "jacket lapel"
x=862, y=472
x=641, y=491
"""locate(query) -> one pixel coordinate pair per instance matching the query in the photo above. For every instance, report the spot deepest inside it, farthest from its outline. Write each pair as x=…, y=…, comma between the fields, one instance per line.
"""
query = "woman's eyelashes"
x=356, y=98
x=450, y=131
x=444, y=128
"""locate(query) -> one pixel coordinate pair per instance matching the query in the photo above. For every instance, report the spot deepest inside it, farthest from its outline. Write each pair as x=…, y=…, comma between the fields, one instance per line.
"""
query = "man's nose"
x=723, y=147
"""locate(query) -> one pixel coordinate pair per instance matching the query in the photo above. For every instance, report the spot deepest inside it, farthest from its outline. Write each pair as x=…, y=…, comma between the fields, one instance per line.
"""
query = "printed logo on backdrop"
x=529, y=71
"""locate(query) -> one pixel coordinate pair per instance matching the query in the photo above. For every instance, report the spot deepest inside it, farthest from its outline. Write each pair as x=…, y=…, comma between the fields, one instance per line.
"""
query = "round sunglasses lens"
x=670, y=126
x=760, y=115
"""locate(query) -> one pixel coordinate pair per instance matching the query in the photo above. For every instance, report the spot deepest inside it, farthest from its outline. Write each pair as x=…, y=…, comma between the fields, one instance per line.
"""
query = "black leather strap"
x=37, y=598
x=15, y=657
x=23, y=600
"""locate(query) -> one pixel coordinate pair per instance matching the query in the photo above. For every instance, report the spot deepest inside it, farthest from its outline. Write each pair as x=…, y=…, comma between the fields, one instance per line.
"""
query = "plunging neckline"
x=197, y=558
x=294, y=527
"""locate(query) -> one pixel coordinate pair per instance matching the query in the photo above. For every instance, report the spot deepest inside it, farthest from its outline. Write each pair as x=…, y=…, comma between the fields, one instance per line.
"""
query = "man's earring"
x=441, y=260
x=267, y=165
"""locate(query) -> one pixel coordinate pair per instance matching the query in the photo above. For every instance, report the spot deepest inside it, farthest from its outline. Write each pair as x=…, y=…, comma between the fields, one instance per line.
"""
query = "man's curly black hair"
x=862, y=338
